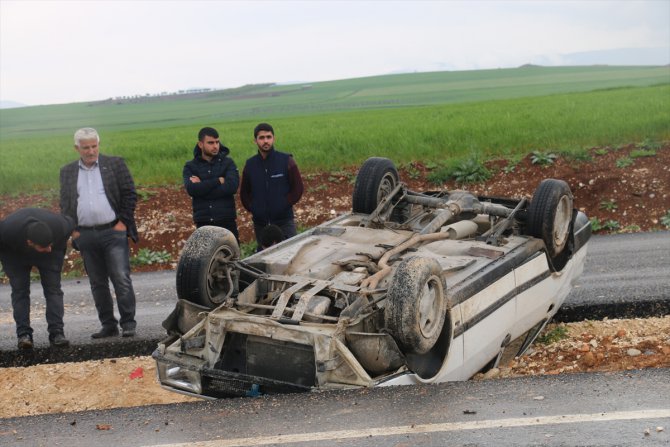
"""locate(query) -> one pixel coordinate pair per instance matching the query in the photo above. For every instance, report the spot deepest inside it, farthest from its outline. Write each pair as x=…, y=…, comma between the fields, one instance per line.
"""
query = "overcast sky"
x=68, y=51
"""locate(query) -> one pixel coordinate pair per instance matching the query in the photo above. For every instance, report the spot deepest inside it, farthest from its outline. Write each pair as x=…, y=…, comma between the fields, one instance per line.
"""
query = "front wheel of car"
x=204, y=275
x=416, y=305
x=550, y=215
x=375, y=180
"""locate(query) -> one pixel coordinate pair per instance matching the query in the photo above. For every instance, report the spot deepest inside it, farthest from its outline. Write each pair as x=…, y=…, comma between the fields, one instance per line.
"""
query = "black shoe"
x=25, y=342
x=127, y=332
x=58, y=340
x=106, y=332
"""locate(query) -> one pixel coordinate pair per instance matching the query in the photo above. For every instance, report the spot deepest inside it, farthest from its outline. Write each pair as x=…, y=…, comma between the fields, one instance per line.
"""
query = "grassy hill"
x=435, y=117
x=267, y=101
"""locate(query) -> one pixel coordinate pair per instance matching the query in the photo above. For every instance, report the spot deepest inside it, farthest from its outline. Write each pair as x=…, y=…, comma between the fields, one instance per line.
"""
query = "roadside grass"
x=624, y=162
x=665, y=220
x=247, y=249
x=144, y=195
x=146, y=256
x=609, y=205
x=446, y=135
x=637, y=153
x=542, y=158
x=463, y=171
x=608, y=225
x=558, y=333
x=579, y=154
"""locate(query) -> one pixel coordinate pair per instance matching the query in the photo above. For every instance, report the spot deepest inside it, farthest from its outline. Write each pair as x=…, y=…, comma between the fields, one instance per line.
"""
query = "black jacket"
x=13, y=230
x=212, y=201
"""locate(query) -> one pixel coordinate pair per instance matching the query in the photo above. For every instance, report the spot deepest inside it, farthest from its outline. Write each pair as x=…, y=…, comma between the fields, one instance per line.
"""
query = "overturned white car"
x=408, y=288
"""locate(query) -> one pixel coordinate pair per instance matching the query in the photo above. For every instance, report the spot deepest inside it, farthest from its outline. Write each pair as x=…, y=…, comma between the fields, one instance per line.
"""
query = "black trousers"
x=17, y=268
x=107, y=258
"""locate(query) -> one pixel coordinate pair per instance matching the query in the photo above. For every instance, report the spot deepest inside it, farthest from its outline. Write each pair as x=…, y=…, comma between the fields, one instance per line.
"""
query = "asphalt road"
x=625, y=275
x=619, y=409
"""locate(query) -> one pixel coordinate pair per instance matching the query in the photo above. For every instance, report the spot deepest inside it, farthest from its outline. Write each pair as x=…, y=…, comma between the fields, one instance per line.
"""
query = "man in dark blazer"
x=98, y=192
x=33, y=237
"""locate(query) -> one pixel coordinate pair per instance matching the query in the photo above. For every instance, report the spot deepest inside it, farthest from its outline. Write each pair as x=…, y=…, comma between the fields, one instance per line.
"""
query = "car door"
x=488, y=316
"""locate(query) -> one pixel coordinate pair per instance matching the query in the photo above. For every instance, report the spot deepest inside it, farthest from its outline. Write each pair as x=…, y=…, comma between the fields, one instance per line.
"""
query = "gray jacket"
x=119, y=189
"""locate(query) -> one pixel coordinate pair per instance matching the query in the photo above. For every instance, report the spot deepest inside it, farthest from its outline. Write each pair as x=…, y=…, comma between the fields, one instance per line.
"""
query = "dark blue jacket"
x=267, y=190
x=212, y=201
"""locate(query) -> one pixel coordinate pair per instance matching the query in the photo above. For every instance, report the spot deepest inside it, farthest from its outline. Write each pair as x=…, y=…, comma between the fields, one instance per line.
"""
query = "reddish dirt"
x=593, y=346
x=640, y=192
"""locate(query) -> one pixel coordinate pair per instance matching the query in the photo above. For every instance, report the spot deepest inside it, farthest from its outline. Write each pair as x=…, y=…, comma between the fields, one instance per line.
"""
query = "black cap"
x=39, y=233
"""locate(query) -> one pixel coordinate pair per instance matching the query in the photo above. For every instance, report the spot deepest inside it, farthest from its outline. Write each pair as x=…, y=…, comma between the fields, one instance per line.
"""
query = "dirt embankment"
x=631, y=198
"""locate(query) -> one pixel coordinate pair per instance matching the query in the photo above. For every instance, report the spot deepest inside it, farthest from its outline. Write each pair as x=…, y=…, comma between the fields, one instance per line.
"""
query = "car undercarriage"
x=410, y=287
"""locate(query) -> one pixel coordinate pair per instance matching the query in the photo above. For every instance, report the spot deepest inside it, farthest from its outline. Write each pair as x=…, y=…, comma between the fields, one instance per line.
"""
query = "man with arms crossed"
x=211, y=179
x=98, y=192
x=35, y=237
x=271, y=185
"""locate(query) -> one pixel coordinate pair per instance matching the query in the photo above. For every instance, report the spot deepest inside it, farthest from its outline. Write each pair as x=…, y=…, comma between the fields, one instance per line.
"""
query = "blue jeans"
x=107, y=257
x=17, y=268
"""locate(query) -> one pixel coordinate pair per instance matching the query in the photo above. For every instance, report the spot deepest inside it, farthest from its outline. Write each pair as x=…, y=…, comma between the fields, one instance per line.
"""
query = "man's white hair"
x=86, y=133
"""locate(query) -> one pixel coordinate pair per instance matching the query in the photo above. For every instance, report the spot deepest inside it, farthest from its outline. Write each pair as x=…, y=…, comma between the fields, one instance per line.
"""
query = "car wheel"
x=416, y=305
x=550, y=215
x=203, y=275
x=375, y=180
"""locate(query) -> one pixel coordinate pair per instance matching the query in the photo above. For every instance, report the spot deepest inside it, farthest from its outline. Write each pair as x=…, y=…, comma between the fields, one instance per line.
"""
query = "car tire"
x=375, y=180
x=416, y=305
x=202, y=276
x=549, y=215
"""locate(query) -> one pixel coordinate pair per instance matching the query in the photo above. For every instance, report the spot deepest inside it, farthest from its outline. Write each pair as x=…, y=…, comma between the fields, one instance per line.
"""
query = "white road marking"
x=427, y=428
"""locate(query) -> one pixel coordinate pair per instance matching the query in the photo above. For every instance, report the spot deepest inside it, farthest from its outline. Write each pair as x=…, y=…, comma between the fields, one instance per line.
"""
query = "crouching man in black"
x=33, y=237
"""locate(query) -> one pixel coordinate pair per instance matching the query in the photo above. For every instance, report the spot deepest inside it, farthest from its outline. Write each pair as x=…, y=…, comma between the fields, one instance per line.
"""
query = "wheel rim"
x=219, y=282
x=562, y=222
x=430, y=307
x=385, y=186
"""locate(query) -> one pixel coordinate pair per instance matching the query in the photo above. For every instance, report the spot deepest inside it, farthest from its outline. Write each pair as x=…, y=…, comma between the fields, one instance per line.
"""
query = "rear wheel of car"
x=550, y=215
x=203, y=275
x=416, y=305
x=375, y=180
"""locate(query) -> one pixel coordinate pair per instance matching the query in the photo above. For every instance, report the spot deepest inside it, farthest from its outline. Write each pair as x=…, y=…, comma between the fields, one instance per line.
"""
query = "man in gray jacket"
x=98, y=192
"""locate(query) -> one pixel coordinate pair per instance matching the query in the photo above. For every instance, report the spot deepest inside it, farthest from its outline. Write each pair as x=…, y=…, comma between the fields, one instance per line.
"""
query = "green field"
x=428, y=116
